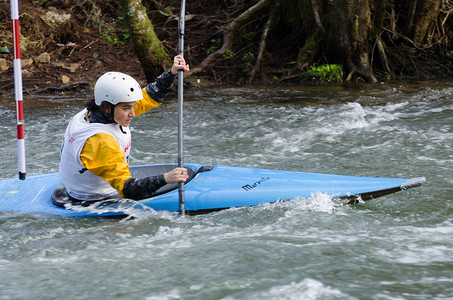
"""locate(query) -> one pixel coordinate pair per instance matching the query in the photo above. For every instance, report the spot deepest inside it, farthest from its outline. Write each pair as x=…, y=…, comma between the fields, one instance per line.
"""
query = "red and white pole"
x=18, y=89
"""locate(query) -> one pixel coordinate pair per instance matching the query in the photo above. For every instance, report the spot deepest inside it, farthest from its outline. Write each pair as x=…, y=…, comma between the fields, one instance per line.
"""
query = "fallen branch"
x=382, y=55
x=409, y=40
x=229, y=32
x=259, y=58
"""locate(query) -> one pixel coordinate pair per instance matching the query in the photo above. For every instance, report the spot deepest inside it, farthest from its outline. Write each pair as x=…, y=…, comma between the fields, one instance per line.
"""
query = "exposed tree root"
x=314, y=5
x=259, y=57
x=229, y=32
x=383, y=56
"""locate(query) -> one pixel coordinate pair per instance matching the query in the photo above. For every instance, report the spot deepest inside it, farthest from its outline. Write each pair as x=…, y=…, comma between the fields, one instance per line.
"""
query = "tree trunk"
x=348, y=36
x=425, y=13
x=147, y=46
x=358, y=34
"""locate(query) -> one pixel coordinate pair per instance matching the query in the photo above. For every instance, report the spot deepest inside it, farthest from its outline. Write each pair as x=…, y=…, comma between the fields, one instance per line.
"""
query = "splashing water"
x=395, y=247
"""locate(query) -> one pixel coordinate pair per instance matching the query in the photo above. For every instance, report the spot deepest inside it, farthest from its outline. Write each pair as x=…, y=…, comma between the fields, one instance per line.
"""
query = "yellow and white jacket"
x=94, y=156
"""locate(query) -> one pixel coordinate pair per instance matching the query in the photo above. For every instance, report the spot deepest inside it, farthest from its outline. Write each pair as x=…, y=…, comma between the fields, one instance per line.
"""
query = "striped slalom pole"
x=18, y=89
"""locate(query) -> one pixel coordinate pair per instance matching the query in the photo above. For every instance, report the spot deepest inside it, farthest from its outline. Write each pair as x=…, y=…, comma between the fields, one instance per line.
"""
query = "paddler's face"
x=123, y=113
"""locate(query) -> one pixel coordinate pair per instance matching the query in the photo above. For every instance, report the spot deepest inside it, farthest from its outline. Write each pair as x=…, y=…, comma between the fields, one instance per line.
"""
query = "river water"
x=396, y=247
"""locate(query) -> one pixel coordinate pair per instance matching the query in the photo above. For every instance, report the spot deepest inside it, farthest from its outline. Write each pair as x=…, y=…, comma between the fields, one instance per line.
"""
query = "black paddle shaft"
x=180, y=105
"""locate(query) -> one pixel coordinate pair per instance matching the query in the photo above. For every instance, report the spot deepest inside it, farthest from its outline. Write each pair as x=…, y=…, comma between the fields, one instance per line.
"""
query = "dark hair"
x=91, y=105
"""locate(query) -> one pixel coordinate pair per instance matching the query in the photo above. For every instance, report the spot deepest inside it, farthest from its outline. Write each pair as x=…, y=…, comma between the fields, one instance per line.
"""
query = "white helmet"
x=116, y=87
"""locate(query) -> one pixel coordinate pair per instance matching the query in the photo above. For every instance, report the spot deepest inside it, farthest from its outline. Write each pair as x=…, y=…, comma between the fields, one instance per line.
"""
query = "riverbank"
x=67, y=45
x=59, y=52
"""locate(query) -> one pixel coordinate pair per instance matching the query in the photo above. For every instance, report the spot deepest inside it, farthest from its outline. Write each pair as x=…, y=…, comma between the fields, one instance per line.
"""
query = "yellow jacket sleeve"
x=103, y=157
x=145, y=104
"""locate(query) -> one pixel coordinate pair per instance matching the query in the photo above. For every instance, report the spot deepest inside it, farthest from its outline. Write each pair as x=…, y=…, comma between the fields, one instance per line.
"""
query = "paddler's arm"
x=140, y=188
x=102, y=156
x=155, y=93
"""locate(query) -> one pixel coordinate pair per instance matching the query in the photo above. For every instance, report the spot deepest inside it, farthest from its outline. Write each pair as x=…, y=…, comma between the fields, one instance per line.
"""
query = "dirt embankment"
x=66, y=45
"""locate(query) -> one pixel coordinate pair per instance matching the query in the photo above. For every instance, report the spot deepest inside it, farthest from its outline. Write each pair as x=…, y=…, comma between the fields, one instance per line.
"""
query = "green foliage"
x=250, y=35
x=326, y=73
x=117, y=36
x=168, y=12
x=214, y=47
x=247, y=61
x=228, y=54
x=112, y=38
x=162, y=9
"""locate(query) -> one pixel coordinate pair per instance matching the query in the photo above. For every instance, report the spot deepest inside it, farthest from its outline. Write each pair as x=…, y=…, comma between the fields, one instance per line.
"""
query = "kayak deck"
x=209, y=188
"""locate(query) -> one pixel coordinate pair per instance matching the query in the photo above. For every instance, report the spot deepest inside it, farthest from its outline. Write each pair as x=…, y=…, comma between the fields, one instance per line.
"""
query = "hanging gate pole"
x=180, y=105
x=18, y=89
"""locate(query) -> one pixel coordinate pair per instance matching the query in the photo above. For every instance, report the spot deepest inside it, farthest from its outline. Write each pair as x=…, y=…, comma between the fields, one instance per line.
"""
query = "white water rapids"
x=396, y=247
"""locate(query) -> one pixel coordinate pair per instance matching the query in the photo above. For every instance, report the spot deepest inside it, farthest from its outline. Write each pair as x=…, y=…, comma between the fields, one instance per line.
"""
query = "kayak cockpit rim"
x=61, y=198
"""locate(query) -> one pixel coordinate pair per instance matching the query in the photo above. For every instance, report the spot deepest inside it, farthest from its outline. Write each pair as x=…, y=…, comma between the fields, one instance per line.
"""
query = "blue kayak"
x=209, y=188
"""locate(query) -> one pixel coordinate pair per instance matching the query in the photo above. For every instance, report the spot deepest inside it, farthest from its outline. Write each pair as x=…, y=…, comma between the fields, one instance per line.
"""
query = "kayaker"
x=97, y=142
